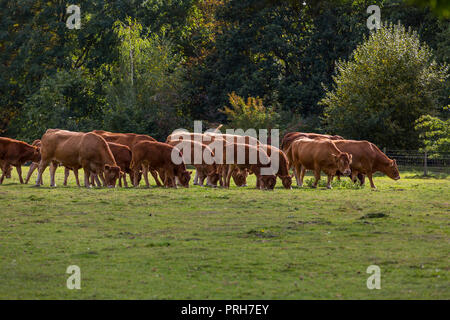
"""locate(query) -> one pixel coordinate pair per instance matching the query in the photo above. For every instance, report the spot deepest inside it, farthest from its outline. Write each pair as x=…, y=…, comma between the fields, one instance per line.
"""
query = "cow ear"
x=350, y=156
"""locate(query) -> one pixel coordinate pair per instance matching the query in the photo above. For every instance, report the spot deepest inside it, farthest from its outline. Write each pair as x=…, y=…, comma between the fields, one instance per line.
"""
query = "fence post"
x=425, y=164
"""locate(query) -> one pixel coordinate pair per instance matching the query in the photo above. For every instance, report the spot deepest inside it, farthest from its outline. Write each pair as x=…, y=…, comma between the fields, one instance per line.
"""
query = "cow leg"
x=124, y=177
x=145, y=174
x=4, y=171
x=155, y=176
x=19, y=172
x=300, y=171
x=102, y=178
x=372, y=185
x=53, y=167
x=296, y=174
x=135, y=179
x=120, y=179
x=229, y=174
x=75, y=173
x=316, y=177
x=87, y=175
x=330, y=178
x=66, y=175
x=33, y=167
x=196, y=177
x=362, y=178
x=41, y=168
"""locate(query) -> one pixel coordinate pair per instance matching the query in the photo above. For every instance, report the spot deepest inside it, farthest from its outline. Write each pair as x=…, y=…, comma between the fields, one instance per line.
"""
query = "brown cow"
x=319, y=155
x=16, y=153
x=129, y=140
x=78, y=150
x=198, y=152
x=368, y=159
x=158, y=156
x=292, y=136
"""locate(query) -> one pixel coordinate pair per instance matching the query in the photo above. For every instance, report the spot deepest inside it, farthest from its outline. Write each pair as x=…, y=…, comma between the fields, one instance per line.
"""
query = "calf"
x=158, y=156
x=368, y=159
x=319, y=155
x=78, y=150
x=16, y=153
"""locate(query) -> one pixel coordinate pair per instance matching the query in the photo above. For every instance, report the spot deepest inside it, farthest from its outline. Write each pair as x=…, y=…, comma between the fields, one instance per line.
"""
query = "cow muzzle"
x=347, y=172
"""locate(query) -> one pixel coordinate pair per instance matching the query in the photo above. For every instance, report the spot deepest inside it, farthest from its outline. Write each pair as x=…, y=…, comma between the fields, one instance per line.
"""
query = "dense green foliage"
x=390, y=81
x=187, y=56
x=435, y=133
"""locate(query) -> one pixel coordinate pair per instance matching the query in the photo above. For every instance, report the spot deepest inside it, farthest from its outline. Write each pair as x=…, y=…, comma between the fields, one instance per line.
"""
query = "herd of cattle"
x=109, y=157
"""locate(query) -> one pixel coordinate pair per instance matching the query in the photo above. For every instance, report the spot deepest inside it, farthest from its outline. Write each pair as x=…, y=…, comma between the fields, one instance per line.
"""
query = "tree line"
x=153, y=66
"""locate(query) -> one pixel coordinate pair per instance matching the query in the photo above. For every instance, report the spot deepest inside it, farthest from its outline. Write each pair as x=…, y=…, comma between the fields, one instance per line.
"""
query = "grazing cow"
x=16, y=153
x=230, y=162
x=129, y=140
x=368, y=159
x=283, y=166
x=319, y=155
x=158, y=156
x=77, y=150
x=204, y=168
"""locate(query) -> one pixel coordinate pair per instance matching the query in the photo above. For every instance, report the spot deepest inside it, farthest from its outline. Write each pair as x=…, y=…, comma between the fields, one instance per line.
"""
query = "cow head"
x=343, y=161
x=36, y=155
x=287, y=181
x=112, y=173
x=184, y=177
x=240, y=177
x=267, y=182
x=392, y=170
x=213, y=175
x=8, y=172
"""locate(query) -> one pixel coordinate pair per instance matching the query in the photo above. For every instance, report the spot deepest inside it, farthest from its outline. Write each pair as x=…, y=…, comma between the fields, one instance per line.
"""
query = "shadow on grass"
x=428, y=176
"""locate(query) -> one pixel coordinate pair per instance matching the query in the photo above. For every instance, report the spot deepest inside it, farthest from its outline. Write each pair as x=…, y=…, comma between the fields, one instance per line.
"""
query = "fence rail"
x=425, y=161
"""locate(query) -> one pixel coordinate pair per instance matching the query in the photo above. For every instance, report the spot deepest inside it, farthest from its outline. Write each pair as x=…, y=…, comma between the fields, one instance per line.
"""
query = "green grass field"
x=242, y=243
